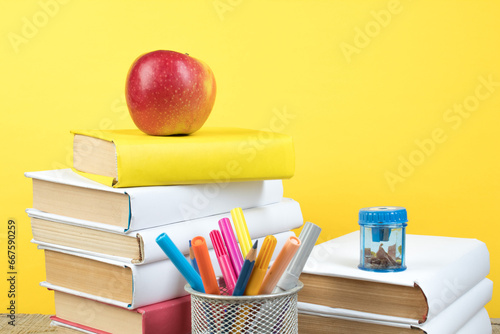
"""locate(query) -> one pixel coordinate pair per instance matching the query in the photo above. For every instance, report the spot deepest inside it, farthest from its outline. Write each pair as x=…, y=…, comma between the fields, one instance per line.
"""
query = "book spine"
x=456, y=279
x=172, y=317
x=479, y=324
x=456, y=315
x=155, y=206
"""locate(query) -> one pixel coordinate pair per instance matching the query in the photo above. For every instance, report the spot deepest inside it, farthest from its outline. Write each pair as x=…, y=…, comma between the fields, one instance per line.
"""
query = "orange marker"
x=207, y=273
x=261, y=265
x=278, y=268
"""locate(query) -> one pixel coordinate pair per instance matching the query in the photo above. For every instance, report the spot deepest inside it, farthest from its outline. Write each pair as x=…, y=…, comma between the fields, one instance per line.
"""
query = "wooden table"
x=39, y=323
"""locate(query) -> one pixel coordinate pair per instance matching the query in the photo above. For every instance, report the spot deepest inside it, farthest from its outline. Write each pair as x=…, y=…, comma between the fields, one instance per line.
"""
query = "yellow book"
x=130, y=158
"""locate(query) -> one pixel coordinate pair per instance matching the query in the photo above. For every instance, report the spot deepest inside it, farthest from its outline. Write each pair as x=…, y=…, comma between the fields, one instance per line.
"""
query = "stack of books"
x=98, y=222
x=443, y=290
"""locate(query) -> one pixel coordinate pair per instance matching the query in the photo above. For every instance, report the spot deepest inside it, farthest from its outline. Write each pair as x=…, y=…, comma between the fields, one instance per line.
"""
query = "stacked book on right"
x=443, y=290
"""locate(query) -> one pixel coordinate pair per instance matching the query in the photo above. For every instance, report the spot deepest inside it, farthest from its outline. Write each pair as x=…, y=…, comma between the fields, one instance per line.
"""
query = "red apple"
x=169, y=93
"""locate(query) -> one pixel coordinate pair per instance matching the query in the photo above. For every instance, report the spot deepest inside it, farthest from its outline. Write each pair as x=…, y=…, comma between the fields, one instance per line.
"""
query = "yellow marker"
x=241, y=231
x=261, y=265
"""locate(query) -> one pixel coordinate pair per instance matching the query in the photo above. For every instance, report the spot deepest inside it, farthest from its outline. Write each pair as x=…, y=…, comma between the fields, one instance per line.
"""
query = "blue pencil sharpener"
x=382, y=238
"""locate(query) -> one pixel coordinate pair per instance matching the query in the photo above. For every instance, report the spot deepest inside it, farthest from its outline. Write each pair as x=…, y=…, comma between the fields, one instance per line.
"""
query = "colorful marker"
x=284, y=257
x=231, y=244
x=261, y=265
x=224, y=262
x=308, y=237
x=180, y=262
x=241, y=228
x=207, y=272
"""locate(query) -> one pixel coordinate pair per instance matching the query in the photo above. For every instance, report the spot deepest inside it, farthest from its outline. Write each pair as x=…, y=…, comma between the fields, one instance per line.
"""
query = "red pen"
x=224, y=262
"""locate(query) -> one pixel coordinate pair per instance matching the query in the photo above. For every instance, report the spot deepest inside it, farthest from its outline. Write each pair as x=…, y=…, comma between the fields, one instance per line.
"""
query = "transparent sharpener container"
x=382, y=238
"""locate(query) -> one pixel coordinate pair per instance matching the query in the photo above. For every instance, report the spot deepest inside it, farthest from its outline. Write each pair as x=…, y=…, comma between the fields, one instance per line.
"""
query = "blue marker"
x=180, y=262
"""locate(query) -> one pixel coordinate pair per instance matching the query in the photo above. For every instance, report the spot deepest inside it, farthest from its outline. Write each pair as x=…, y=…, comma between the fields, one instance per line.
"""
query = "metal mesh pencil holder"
x=215, y=314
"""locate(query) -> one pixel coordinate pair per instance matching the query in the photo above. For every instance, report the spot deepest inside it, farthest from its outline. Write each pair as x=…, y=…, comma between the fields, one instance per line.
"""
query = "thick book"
x=63, y=192
x=439, y=270
x=130, y=158
x=169, y=317
x=314, y=324
x=140, y=246
x=117, y=283
x=319, y=319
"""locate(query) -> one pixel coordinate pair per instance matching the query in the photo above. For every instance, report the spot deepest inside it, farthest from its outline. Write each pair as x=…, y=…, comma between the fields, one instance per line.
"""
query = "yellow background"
x=357, y=89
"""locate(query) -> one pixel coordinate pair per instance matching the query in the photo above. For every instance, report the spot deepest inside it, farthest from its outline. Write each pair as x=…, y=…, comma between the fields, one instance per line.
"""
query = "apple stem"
x=187, y=54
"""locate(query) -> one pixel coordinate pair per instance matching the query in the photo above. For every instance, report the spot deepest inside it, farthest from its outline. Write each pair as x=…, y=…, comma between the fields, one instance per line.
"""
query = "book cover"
x=454, y=317
x=171, y=316
x=140, y=246
x=210, y=155
x=117, y=283
x=479, y=324
x=66, y=193
x=440, y=270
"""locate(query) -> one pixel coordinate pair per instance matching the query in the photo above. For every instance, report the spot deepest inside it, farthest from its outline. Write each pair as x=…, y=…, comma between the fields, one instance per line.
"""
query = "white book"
x=66, y=193
x=440, y=268
x=467, y=308
x=144, y=284
x=90, y=238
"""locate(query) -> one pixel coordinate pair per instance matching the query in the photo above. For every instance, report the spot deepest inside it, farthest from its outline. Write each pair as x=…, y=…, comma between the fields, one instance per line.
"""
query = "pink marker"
x=224, y=262
x=231, y=244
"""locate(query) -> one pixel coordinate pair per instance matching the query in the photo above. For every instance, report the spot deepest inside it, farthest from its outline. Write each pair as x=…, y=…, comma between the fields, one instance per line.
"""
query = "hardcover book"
x=117, y=283
x=171, y=316
x=467, y=310
x=130, y=158
x=63, y=192
x=314, y=324
x=140, y=246
x=440, y=270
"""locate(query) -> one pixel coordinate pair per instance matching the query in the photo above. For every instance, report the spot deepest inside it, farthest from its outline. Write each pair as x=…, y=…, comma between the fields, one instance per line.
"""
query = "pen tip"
x=255, y=244
x=189, y=243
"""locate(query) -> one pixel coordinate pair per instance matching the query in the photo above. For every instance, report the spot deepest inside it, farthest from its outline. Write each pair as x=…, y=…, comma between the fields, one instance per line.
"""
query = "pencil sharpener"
x=382, y=238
